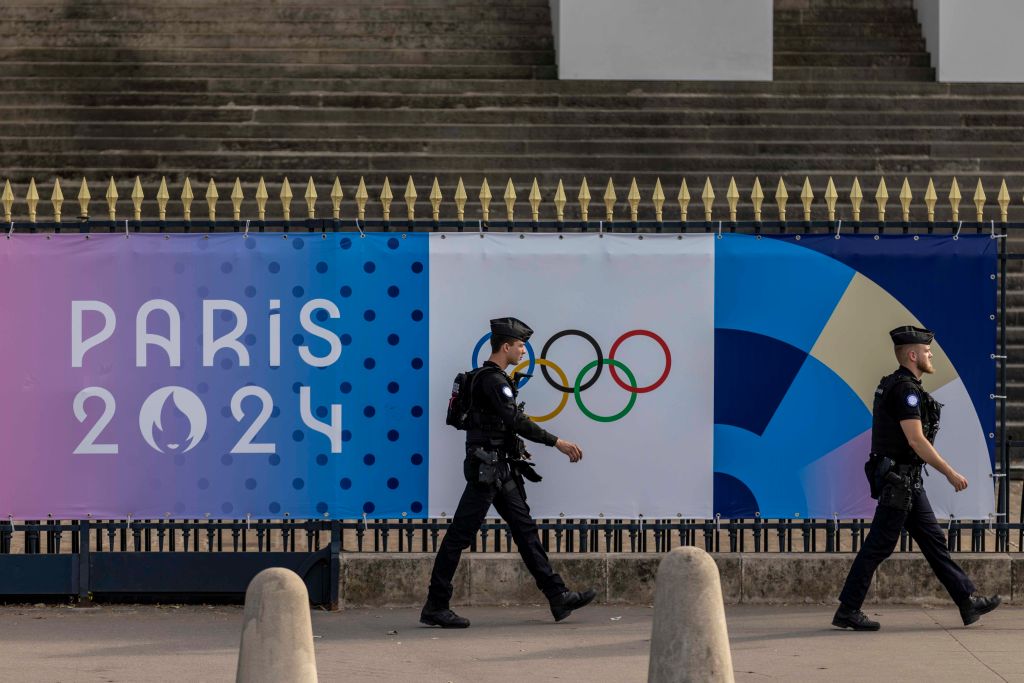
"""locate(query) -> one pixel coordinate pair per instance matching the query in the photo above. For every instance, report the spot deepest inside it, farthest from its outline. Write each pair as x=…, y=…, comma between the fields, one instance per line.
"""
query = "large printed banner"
x=306, y=375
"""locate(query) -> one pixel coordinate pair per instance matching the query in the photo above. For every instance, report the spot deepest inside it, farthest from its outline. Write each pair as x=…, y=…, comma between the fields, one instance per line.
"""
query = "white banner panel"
x=656, y=459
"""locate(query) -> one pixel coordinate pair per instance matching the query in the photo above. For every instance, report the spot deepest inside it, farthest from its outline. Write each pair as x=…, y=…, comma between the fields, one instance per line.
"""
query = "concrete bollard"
x=277, y=634
x=689, y=638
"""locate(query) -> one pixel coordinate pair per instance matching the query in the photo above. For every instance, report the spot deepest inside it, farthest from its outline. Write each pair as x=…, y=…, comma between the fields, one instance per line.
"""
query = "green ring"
x=579, y=399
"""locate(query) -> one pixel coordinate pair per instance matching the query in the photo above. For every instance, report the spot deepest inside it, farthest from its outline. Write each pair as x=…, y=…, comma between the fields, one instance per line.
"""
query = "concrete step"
x=362, y=71
x=841, y=44
x=842, y=4
x=839, y=73
x=796, y=19
x=857, y=28
x=847, y=60
x=270, y=57
x=277, y=38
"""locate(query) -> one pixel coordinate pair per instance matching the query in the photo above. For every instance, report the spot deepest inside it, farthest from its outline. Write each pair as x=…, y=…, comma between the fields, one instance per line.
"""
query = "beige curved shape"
x=855, y=343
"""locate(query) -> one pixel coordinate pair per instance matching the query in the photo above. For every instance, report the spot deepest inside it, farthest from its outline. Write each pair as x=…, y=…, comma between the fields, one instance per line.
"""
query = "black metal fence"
x=179, y=559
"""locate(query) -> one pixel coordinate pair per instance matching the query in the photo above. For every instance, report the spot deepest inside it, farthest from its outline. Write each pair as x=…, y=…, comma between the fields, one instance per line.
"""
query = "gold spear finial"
x=1003, y=200
x=781, y=196
x=261, y=199
x=633, y=198
x=485, y=201
x=560, y=202
x=930, y=198
x=212, y=195
x=535, y=201
x=83, y=199
x=954, y=199
x=410, y=199
x=856, y=197
x=806, y=197
x=979, y=201
x=906, y=198
x=32, y=199
x=757, y=199
x=337, y=194
x=684, y=200
x=732, y=198
x=510, y=200
x=186, y=199
x=137, y=198
x=8, y=199
x=708, y=195
x=385, y=199
x=658, y=198
x=830, y=199
x=236, y=199
x=362, y=196
x=881, y=198
x=609, y=201
x=435, y=200
x=310, y=197
x=460, y=201
x=162, y=197
x=57, y=200
x=112, y=199
x=286, y=197
x=584, y=200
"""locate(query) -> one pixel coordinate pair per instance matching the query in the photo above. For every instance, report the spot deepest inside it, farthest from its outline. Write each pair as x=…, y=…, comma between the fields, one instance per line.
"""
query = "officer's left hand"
x=574, y=452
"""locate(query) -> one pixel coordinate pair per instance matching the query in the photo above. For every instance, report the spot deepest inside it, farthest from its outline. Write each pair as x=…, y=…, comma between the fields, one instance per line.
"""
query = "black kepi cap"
x=511, y=327
x=908, y=334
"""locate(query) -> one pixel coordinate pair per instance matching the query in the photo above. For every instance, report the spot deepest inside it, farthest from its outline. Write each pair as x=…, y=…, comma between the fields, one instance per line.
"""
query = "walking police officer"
x=905, y=421
x=494, y=469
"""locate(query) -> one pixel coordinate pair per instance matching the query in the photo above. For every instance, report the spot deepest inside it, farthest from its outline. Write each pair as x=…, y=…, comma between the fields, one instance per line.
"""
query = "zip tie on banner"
x=718, y=522
x=839, y=226
x=246, y=233
x=956, y=235
x=126, y=228
x=994, y=235
x=480, y=225
x=600, y=227
x=11, y=231
x=10, y=518
x=360, y=229
x=248, y=520
x=719, y=229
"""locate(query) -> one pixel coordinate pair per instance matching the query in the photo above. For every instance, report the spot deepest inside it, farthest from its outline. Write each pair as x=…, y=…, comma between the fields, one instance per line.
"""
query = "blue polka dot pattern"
x=379, y=284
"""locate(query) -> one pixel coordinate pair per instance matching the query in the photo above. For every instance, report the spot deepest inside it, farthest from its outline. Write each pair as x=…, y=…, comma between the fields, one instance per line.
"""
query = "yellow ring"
x=561, y=376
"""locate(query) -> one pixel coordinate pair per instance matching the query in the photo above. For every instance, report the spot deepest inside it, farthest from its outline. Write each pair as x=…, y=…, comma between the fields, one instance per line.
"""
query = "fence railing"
x=709, y=206
x=1004, y=533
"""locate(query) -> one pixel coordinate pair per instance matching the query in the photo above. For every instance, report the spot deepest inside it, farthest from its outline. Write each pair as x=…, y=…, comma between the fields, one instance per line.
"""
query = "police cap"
x=908, y=334
x=511, y=327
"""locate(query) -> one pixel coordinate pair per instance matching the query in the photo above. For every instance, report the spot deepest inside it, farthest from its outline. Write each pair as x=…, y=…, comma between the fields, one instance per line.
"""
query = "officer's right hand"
x=957, y=480
x=574, y=452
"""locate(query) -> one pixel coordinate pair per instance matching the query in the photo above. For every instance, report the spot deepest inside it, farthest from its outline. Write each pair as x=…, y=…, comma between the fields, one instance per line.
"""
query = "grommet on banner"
x=956, y=235
x=839, y=226
x=246, y=233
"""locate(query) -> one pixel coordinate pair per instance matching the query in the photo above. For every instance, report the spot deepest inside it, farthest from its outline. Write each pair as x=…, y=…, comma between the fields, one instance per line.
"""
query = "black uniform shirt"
x=905, y=398
x=495, y=394
x=902, y=401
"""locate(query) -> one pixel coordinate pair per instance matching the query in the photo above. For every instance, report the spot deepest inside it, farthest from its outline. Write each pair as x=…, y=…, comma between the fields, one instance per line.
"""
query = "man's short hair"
x=499, y=340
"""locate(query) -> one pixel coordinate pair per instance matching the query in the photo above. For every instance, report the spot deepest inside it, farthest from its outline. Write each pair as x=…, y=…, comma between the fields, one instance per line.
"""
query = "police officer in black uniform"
x=905, y=420
x=494, y=469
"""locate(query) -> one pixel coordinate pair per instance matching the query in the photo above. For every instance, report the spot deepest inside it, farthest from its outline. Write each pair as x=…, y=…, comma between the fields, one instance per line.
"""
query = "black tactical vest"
x=887, y=436
x=484, y=427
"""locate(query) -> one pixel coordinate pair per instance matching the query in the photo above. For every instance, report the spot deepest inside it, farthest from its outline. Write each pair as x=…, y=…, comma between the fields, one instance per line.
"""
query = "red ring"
x=664, y=375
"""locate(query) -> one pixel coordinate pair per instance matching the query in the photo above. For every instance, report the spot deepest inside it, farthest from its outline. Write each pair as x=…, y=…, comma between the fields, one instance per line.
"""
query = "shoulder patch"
x=912, y=400
x=508, y=392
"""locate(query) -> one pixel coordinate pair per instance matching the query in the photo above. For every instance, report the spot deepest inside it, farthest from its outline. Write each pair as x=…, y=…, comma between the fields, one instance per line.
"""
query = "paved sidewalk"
x=599, y=643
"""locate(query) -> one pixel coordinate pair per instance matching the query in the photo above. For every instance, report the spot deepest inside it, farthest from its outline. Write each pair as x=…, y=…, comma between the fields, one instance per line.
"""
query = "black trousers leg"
x=926, y=532
x=879, y=544
x=513, y=509
x=469, y=516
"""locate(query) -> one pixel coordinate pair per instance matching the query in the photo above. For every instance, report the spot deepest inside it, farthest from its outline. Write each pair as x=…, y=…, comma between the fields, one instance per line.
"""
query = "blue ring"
x=529, y=354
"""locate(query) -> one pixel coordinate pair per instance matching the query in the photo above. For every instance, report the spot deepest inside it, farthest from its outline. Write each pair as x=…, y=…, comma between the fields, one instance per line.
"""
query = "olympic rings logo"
x=577, y=388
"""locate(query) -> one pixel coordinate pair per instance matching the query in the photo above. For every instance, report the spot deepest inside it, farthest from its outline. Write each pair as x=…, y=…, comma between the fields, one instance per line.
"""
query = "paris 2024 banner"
x=307, y=375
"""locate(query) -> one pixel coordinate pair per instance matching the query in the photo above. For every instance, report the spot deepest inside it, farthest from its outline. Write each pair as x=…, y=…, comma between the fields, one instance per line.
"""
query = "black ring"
x=578, y=333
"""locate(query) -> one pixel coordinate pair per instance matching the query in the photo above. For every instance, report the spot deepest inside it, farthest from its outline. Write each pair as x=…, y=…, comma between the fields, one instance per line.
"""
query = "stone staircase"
x=466, y=89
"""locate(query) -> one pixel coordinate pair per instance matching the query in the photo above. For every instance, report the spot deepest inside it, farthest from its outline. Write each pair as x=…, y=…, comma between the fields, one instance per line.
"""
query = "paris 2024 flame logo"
x=172, y=420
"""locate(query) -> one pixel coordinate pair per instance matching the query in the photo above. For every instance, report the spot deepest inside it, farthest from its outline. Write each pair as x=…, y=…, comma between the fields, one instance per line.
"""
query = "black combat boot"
x=443, y=617
x=973, y=607
x=563, y=605
x=855, y=619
